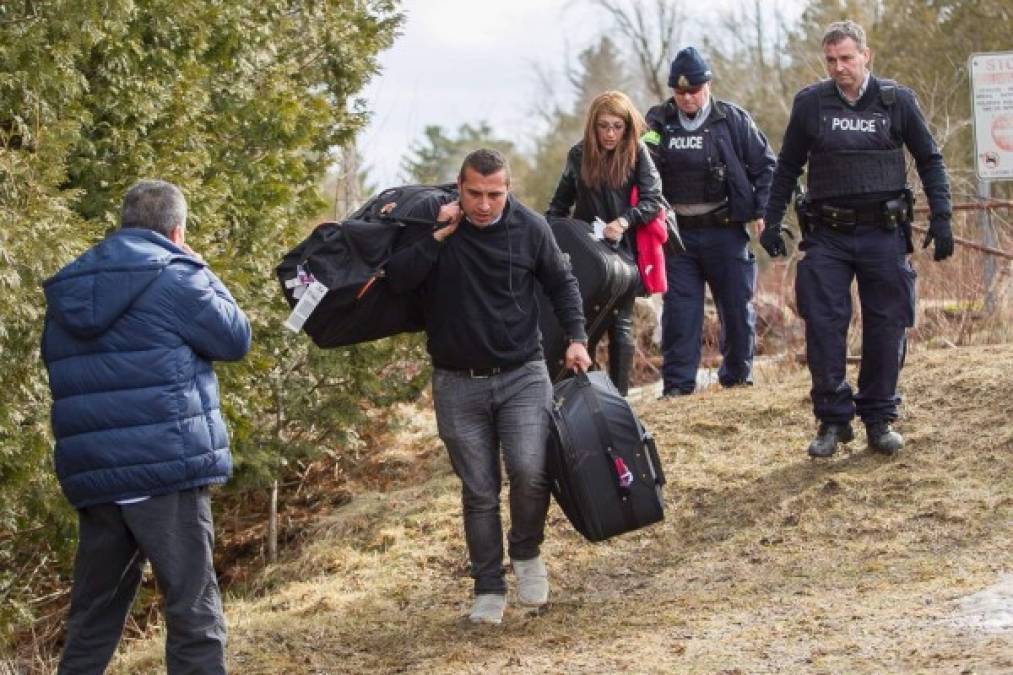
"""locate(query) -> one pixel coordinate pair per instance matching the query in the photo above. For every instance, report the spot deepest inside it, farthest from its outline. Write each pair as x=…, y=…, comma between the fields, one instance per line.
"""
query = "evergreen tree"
x=437, y=157
x=238, y=103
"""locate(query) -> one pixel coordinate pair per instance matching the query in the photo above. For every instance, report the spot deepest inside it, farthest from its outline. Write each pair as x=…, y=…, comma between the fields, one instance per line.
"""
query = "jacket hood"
x=94, y=290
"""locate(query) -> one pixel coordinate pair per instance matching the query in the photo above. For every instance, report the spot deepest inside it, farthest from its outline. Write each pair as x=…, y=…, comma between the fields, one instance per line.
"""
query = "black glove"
x=772, y=241
x=942, y=234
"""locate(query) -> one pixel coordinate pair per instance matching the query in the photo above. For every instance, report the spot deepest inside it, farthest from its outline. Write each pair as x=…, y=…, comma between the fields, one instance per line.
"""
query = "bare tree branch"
x=652, y=35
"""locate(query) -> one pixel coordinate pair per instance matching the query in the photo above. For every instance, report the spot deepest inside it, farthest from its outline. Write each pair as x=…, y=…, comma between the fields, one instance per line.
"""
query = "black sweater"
x=479, y=290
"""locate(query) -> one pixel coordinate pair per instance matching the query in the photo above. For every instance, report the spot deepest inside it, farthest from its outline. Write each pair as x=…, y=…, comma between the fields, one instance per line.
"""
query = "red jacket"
x=651, y=238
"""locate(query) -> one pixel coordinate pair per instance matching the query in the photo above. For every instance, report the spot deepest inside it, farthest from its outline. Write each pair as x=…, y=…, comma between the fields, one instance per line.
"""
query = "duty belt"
x=719, y=218
x=888, y=214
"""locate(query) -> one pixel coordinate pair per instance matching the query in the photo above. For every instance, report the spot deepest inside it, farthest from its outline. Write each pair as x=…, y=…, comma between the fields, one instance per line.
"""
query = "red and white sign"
x=992, y=111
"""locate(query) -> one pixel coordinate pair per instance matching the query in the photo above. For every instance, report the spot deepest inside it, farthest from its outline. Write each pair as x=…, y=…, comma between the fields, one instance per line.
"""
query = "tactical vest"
x=856, y=152
x=693, y=171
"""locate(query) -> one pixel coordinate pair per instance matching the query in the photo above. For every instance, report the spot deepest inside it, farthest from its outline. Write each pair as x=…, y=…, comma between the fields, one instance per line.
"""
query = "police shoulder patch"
x=651, y=137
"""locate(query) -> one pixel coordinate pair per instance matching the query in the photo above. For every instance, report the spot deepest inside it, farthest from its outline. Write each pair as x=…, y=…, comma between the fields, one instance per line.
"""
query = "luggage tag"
x=311, y=297
x=624, y=473
x=624, y=477
x=299, y=282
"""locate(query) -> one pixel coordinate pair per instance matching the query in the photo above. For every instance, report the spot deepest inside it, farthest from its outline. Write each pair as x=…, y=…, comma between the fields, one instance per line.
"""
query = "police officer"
x=716, y=168
x=851, y=130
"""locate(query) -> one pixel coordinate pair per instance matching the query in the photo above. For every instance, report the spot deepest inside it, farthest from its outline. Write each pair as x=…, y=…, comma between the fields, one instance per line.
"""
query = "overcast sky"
x=467, y=61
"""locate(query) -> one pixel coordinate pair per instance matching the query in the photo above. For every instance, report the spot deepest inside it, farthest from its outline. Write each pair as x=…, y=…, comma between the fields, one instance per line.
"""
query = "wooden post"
x=989, y=240
x=272, y=525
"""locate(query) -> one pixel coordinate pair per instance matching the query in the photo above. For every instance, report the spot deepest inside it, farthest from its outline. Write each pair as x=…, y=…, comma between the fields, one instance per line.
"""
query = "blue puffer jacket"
x=131, y=329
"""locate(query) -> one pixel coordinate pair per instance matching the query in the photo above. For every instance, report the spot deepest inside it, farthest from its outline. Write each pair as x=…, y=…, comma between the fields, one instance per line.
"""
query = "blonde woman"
x=599, y=175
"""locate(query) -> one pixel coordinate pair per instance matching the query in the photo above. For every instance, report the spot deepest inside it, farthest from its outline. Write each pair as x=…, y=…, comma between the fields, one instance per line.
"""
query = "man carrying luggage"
x=491, y=388
x=852, y=130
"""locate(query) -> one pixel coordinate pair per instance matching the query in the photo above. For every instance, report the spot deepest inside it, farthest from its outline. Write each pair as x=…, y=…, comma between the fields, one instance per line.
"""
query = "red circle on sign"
x=1002, y=131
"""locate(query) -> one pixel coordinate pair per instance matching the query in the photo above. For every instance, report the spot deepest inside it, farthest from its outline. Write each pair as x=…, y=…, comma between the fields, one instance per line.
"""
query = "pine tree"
x=437, y=157
x=238, y=103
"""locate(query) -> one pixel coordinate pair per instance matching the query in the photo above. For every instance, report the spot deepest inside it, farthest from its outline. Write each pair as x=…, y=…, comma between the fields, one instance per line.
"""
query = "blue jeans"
x=477, y=417
x=719, y=257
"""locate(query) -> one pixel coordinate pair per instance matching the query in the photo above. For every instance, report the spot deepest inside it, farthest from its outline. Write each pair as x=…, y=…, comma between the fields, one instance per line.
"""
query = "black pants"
x=877, y=258
x=621, y=345
x=175, y=533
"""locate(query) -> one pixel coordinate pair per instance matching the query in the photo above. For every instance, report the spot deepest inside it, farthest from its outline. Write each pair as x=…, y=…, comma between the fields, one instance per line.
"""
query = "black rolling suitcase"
x=606, y=278
x=604, y=467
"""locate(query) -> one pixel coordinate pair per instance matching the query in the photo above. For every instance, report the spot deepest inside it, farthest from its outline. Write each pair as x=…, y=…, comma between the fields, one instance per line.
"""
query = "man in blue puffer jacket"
x=131, y=329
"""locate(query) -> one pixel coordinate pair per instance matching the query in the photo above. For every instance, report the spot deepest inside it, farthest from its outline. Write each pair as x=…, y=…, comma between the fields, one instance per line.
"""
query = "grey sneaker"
x=882, y=438
x=532, y=582
x=827, y=438
x=488, y=608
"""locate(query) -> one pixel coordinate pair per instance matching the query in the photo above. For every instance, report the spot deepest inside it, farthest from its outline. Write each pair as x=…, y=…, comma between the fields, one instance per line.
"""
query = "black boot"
x=827, y=438
x=882, y=438
x=621, y=346
x=621, y=365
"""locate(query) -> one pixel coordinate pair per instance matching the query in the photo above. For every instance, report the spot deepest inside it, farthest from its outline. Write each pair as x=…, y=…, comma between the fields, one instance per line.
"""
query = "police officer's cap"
x=689, y=69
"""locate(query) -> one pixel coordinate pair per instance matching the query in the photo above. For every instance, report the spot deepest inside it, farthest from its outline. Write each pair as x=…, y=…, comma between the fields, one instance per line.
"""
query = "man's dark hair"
x=842, y=30
x=154, y=205
x=486, y=162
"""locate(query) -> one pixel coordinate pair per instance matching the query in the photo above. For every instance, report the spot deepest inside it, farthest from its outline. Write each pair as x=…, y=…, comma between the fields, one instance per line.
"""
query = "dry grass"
x=767, y=562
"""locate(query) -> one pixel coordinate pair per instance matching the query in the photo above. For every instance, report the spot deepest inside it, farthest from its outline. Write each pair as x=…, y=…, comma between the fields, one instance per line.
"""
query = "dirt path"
x=766, y=562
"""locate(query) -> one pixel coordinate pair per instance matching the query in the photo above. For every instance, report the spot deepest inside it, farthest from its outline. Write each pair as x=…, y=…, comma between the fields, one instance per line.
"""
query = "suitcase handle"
x=652, y=454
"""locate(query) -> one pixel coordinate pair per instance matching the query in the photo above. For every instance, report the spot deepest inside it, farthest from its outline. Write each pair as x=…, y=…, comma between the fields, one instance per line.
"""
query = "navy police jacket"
x=738, y=144
x=131, y=329
x=807, y=134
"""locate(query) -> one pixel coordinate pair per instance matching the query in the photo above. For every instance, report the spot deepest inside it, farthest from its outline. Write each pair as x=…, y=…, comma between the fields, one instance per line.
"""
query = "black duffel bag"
x=348, y=260
x=603, y=465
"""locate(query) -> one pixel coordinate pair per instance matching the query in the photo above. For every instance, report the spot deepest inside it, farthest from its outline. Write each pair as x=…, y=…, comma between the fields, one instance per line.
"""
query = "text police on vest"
x=686, y=143
x=849, y=124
